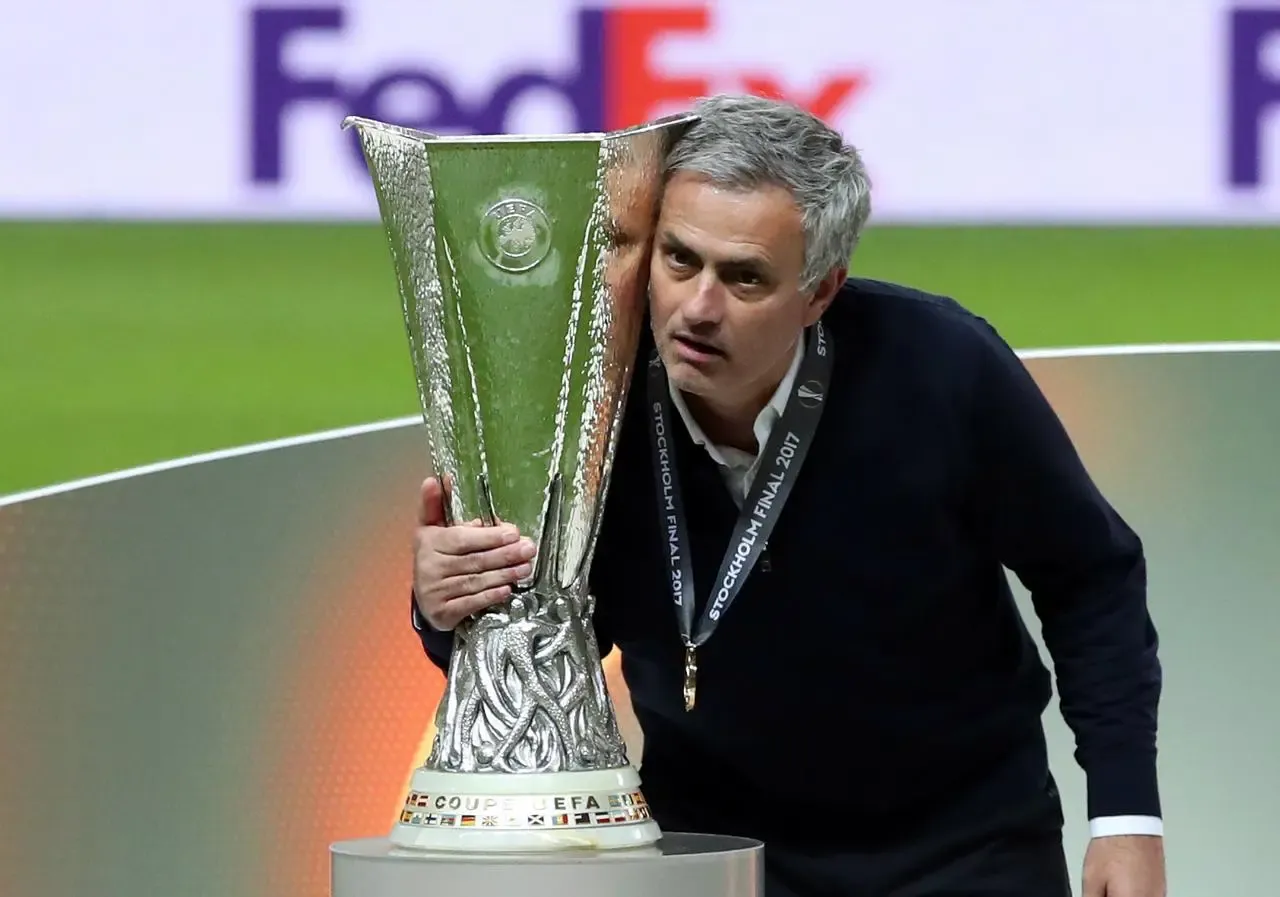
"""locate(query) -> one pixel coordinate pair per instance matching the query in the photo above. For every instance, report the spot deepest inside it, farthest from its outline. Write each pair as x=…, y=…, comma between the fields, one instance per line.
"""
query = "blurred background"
x=189, y=258
x=190, y=261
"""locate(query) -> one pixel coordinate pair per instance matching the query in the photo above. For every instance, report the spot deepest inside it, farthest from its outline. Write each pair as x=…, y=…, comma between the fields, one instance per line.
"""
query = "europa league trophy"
x=522, y=265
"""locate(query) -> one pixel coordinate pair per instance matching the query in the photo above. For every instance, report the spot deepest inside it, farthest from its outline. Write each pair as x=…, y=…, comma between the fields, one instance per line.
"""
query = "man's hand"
x=459, y=570
x=1125, y=866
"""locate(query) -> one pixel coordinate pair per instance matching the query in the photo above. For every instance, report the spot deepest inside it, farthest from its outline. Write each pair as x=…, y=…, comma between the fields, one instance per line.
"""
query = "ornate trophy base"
x=679, y=865
x=524, y=813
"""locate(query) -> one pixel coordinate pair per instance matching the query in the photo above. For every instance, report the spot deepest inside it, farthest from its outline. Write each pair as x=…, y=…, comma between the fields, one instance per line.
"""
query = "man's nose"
x=706, y=305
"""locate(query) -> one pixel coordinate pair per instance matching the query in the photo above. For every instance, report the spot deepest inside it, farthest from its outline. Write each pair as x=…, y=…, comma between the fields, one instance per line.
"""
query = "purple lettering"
x=1253, y=91
x=585, y=98
x=441, y=110
x=273, y=89
x=583, y=88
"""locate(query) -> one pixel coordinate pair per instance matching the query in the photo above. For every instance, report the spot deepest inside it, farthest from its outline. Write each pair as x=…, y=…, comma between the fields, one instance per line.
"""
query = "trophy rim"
x=657, y=124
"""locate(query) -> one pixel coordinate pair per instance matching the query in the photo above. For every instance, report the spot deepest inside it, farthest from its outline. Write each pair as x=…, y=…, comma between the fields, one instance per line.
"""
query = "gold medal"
x=690, y=677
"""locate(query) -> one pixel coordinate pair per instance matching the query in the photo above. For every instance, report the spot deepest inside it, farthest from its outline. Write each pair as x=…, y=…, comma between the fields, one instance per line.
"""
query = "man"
x=854, y=685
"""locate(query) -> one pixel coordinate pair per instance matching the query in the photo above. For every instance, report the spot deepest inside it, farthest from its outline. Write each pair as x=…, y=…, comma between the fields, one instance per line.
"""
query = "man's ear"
x=824, y=293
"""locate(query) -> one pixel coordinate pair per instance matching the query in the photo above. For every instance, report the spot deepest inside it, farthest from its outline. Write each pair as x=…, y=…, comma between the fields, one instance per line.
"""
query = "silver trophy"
x=522, y=265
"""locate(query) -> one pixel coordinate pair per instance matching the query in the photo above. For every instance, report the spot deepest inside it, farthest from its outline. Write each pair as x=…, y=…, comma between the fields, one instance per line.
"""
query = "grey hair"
x=745, y=142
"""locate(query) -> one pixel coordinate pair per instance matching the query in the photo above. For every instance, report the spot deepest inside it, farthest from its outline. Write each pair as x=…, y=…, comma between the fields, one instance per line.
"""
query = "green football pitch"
x=126, y=344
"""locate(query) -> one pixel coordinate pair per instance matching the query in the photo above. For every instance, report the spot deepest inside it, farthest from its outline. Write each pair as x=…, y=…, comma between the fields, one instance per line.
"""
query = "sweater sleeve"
x=438, y=645
x=1085, y=570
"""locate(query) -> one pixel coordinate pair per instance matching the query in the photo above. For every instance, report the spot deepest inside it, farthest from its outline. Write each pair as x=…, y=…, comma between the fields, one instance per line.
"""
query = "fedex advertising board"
x=1144, y=110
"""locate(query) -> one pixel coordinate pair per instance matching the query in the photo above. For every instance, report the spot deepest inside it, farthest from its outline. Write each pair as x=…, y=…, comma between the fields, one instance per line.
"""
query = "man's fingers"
x=458, y=609
x=512, y=554
x=454, y=588
x=463, y=540
x=431, y=507
x=434, y=494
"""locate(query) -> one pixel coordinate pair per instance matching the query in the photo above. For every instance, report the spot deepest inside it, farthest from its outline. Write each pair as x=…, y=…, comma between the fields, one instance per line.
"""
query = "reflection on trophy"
x=522, y=264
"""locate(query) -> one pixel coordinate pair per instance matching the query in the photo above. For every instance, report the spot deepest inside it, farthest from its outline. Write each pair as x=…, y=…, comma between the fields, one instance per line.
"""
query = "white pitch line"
x=1151, y=349
x=207, y=457
x=398, y=423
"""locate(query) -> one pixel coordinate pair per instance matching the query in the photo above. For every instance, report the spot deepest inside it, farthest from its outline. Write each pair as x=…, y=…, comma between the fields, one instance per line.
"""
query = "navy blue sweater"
x=875, y=660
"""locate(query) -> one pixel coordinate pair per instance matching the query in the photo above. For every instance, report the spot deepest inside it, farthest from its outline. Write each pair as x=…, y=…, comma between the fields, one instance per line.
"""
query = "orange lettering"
x=636, y=91
x=830, y=97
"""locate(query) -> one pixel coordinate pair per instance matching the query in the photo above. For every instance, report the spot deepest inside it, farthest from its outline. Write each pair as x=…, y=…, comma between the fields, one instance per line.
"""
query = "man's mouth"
x=700, y=346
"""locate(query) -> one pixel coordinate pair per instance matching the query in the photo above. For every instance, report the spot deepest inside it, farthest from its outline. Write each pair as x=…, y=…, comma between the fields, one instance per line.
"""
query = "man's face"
x=725, y=289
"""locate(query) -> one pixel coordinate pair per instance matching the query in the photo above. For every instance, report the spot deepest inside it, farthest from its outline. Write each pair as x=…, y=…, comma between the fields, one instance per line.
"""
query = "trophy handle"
x=488, y=516
x=547, y=577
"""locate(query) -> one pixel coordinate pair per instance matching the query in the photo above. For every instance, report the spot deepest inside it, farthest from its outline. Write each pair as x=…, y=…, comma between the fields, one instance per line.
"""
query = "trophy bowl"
x=522, y=267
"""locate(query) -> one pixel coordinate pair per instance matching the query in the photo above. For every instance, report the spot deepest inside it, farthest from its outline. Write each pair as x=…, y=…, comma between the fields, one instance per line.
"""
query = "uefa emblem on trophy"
x=521, y=265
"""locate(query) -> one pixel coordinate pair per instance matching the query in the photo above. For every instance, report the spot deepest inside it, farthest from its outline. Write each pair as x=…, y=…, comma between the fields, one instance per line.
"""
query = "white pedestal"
x=679, y=865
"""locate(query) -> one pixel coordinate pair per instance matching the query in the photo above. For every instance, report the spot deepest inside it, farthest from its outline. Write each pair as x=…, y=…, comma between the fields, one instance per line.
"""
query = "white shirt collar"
x=727, y=456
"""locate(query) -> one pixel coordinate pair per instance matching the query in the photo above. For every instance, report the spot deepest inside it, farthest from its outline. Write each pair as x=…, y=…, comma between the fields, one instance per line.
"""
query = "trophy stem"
x=526, y=692
x=527, y=699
